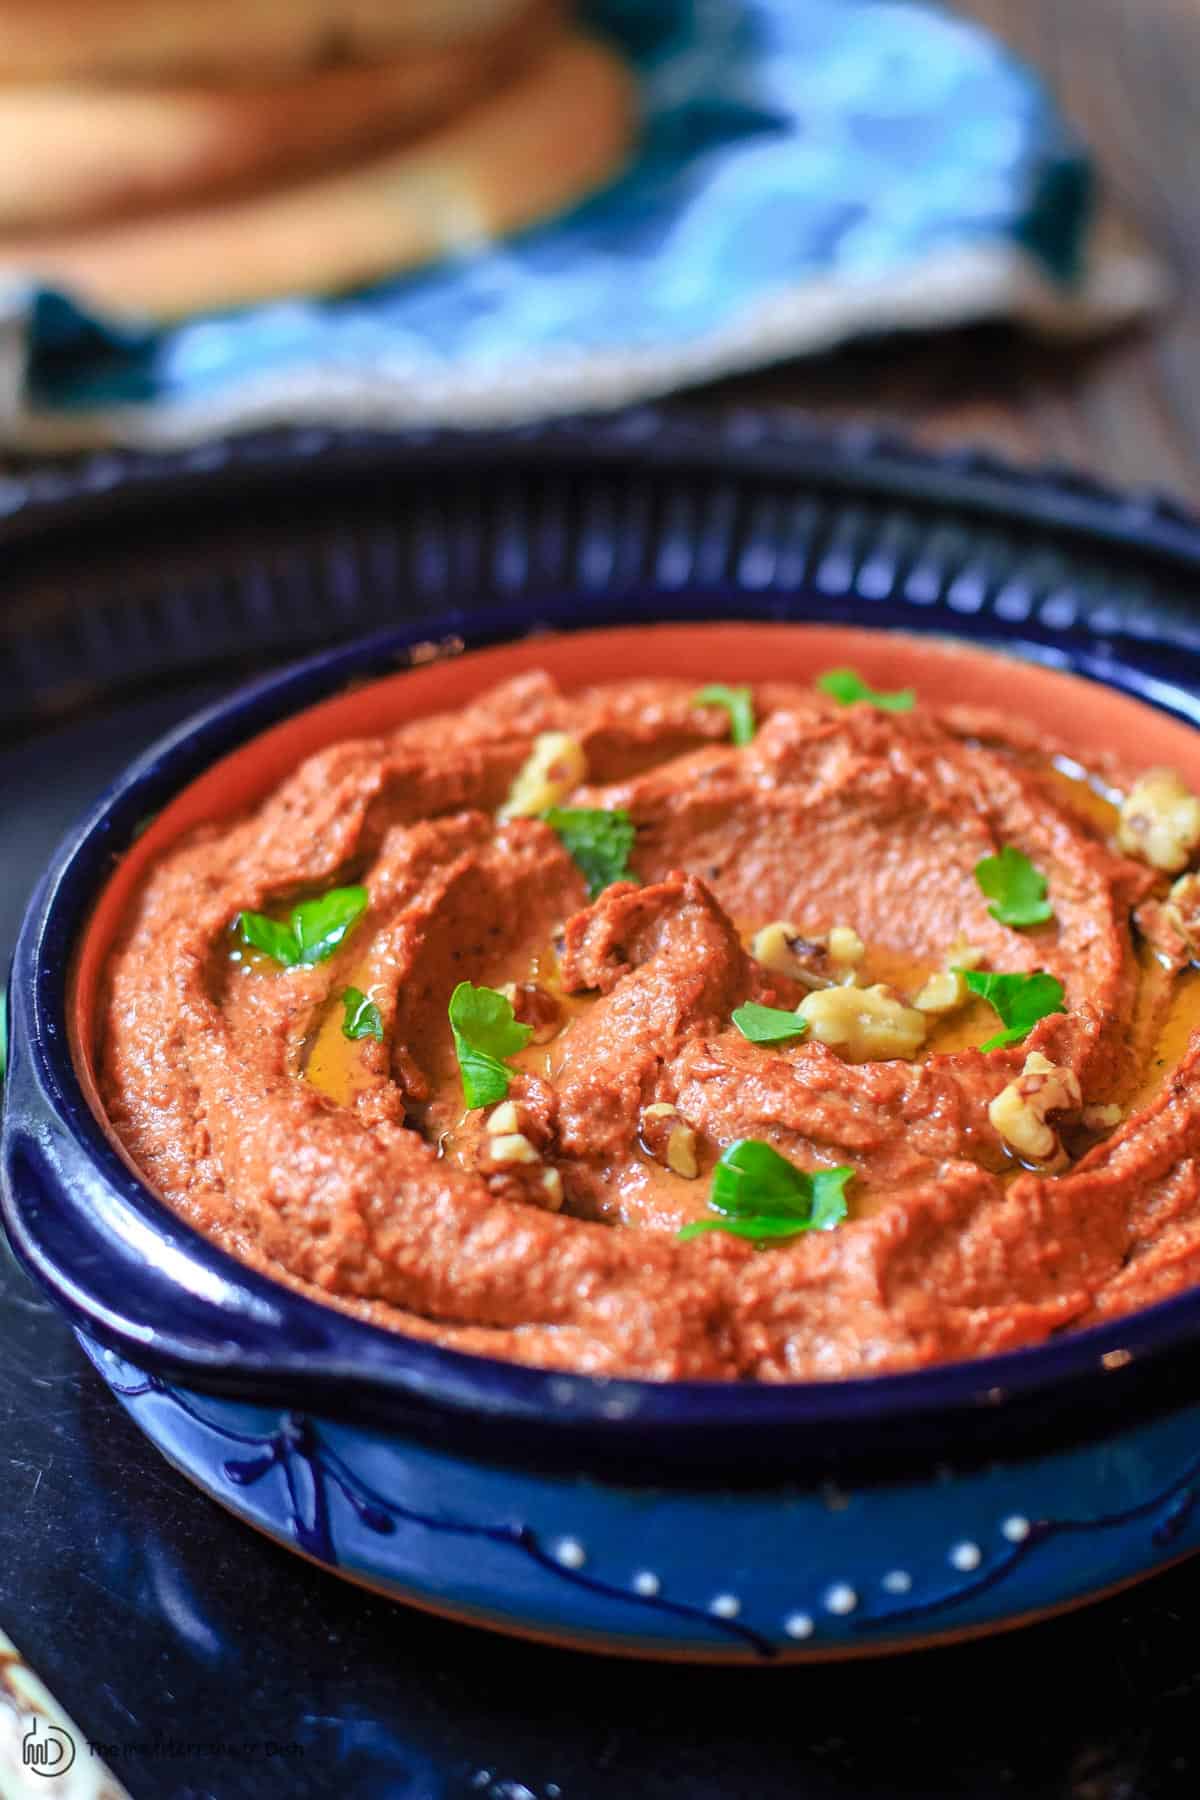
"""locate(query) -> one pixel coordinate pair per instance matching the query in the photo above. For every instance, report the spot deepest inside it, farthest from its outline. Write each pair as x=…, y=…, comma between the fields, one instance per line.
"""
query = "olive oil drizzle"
x=1166, y=1015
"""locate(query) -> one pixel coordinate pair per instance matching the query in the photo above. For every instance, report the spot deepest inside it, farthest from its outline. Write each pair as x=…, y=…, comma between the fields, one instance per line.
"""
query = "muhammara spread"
x=780, y=1034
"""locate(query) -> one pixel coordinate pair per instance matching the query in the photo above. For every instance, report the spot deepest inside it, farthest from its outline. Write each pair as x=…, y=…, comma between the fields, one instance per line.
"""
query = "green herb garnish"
x=363, y=1018
x=312, y=931
x=768, y=1024
x=598, y=842
x=1016, y=887
x=847, y=685
x=1021, y=1000
x=738, y=703
x=762, y=1195
x=485, y=1031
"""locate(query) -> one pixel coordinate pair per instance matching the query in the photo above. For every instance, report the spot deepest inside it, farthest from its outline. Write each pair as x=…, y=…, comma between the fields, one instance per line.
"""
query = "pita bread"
x=77, y=152
x=53, y=40
x=554, y=134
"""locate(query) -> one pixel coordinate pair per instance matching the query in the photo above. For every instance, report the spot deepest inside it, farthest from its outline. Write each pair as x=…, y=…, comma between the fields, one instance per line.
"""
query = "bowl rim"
x=289, y=1346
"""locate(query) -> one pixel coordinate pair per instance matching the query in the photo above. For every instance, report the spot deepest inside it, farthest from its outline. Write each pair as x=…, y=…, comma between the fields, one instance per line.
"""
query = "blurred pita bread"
x=557, y=131
x=75, y=152
x=239, y=39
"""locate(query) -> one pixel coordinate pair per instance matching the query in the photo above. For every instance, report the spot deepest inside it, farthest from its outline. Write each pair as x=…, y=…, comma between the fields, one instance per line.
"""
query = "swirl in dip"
x=853, y=867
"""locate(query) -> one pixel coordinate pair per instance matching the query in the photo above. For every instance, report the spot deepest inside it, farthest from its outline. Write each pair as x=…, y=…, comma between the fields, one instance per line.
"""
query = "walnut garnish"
x=1182, y=910
x=946, y=990
x=512, y=1147
x=815, y=962
x=503, y=1120
x=668, y=1140
x=845, y=946
x=513, y=1163
x=554, y=768
x=864, y=1024
x=942, y=993
x=1020, y=1111
x=1160, y=821
x=681, y=1152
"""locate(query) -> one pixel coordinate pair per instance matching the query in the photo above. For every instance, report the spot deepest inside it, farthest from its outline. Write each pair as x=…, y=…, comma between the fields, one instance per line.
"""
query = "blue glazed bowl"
x=719, y=1521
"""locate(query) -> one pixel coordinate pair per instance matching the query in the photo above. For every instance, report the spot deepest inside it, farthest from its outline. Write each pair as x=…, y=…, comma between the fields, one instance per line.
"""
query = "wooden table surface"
x=1127, y=73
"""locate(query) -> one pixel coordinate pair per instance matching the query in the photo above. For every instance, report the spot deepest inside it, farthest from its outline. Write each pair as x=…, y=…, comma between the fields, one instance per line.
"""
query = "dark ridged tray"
x=129, y=570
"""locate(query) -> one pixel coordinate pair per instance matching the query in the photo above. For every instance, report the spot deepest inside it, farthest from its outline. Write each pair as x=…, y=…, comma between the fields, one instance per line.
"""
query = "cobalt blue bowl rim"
x=65, y=1188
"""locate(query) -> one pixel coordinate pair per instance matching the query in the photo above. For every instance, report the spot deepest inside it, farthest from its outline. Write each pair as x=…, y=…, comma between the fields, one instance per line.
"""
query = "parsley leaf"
x=363, y=1018
x=768, y=1024
x=738, y=703
x=847, y=685
x=485, y=1031
x=313, y=930
x=598, y=842
x=1021, y=1000
x=267, y=935
x=762, y=1195
x=1018, y=889
x=320, y=925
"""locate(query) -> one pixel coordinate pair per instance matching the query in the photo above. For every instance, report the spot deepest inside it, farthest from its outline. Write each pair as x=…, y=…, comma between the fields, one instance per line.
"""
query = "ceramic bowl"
x=720, y=1521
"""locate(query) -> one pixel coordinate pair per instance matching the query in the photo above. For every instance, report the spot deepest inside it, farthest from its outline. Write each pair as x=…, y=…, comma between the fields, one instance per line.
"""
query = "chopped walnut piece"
x=554, y=768
x=503, y=1120
x=1182, y=910
x=1020, y=1111
x=1101, y=1118
x=780, y=948
x=512, y=1147
x=816, y=962
x=665, y=1137
x=942, y=993
x=1160, y=821
x=513, y=1164
x=681, y=1152
x=864, y=1024
x=845, y=946
x=946, y=990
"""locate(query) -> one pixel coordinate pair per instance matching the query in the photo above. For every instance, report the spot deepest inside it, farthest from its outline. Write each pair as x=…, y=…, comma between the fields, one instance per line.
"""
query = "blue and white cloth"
x=808, y=170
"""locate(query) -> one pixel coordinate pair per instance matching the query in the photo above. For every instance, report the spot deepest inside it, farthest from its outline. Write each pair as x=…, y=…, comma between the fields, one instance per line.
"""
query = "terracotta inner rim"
x=1084, y=714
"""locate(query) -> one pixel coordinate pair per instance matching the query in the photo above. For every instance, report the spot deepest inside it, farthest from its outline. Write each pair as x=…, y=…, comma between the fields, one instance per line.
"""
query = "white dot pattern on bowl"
x=841, y=1599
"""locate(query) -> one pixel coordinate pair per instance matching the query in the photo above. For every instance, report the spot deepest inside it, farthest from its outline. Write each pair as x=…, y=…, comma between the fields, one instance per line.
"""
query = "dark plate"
x=114, y=577
x=140, y=589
